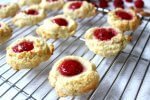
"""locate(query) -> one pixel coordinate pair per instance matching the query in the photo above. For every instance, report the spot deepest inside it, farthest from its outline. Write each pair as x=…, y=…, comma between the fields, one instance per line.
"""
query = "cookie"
x=105, y=41
x=125, y=20
x=8, y=10
x=52, y=4
x=79, y=9
x=28, y=52
x=5, y=32
x=73, y=75
x=59, y=26
x=28, y=2
x=30, y=16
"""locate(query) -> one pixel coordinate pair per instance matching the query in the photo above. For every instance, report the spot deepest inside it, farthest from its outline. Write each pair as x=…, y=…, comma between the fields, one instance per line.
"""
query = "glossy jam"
x=124, y=15
x=23, y=46
x=104, y=34
x=32, y=12
x=60, y=21
x=70, y=68
x=75, y=5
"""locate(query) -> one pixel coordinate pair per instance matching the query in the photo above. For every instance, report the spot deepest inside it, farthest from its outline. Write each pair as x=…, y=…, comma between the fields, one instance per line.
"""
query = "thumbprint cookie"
x=28, y=52
x=105, y=41
x=8, y=10
x=28, y=2
x=30, y=16
x=125, y=20
x=59, y=26
x=52, y=4
x=73, y=75
x=5, y=32
x=79, y=9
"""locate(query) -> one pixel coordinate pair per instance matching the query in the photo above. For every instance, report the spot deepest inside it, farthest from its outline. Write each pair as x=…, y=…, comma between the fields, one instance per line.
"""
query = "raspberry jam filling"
x=75, y=5
x=124, y=15
x=31, y=12
x=23, y=46
x=70, y=67
x=60, y=21
x=104, y=34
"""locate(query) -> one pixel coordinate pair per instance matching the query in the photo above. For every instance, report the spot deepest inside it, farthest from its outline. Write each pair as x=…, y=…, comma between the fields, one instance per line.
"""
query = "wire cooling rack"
x=125, y=76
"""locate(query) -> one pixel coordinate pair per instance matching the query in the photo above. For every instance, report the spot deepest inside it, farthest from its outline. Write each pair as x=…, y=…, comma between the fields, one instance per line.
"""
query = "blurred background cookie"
x=5, y=32
x=125, y=20
x=28, y=2
x=59, y=26
x=31, y=16
x=52, y=4
x=8, y=10
x=79, y=9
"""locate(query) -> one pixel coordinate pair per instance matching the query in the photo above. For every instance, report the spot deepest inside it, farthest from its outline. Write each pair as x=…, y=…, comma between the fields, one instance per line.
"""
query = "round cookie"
x=28, y=2
x=30, y=16
x=8, y=10
x=28, y=52
x=5, y=32
x=125, y=20
x=59, y=26
x=52, y=4
x=79, y=9
x=73, y=75
x=105, y=41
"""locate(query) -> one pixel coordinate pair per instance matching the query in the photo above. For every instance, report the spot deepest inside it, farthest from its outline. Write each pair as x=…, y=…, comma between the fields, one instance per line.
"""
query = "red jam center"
x=124, y=15
x=75, y=5
x=60, y=21
x=104, y=34
x=23, y=46
x=32, y=12
x=70, y=68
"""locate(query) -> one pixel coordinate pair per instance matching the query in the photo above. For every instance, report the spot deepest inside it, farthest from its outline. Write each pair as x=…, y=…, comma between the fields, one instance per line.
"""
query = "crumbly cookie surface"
x=52, y=30
x=5, y=32
x=52, y=5
x=124, y=25
x=106, y=48
x=86, y=10
x=28, y=2
x=29, y=59
x=23, y=19
x=9, y=10
x=74, y=85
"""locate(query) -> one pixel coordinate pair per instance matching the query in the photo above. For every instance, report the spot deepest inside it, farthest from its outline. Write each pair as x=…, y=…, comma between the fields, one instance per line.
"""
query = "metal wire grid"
x=126, y=71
